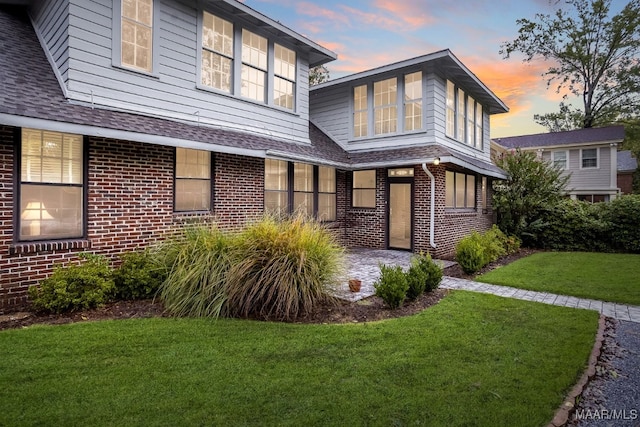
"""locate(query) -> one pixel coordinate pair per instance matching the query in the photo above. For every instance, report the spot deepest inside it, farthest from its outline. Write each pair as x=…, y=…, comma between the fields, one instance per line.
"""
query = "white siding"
x=171, y=92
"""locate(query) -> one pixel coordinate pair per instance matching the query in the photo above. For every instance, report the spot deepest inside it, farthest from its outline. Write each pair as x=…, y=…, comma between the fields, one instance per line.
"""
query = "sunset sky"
x=368, y=34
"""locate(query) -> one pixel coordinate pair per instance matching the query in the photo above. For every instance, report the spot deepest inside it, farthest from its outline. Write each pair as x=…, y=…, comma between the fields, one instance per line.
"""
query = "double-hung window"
x=451, y=110
x=589, y=158
x=284, y=80
x=360, y=111
x=413, y=101
x=217, y=53
x=460, y=190
x=364, y=189
x=464, y=118
x=254, y=66
x=137, y=34
x=192, y=180
x=276, y=186
x=559, y=159
x=385, y=106
x=303, y=188
x=52, y=169
x=326, y=193
x=312, y=192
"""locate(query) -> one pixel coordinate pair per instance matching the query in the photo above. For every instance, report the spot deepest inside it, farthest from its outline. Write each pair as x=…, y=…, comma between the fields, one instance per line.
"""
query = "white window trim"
x=597, y=166
x=199, y=85
x=566, y=158
x=116, y=40
x=465, y=139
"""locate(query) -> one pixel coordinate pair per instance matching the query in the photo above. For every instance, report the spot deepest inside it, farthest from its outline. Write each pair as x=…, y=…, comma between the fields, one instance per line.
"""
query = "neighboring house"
x=627, y=167
x=589, y=156
x=122, y=120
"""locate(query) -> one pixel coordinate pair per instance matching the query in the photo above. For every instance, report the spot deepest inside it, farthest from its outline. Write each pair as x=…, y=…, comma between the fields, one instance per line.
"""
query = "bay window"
x=463, y=116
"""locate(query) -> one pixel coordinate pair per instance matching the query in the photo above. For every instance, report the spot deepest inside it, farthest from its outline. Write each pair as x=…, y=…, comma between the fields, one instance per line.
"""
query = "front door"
x=400, y=214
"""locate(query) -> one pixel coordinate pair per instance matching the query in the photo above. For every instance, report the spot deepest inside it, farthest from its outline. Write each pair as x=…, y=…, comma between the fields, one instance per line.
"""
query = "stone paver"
x=364, y=264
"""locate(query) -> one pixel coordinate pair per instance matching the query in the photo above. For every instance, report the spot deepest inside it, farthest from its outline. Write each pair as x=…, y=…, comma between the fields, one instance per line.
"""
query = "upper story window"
x=192, y=180
x=559, y=159
x=460, y=190
x=385, y=106
x=388, y=106
x=589, y=158
x=217, y=53
x=360, y=111
x=137, y=34
x=284, y=79
x=464, y=118
x=364, y=189
x=52, y=187
x=254, y=66
x=413, y=101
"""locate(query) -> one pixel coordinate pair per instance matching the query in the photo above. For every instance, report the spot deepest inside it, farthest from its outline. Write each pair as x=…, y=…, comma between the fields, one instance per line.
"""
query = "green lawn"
x=606, y=277
x=473, y=360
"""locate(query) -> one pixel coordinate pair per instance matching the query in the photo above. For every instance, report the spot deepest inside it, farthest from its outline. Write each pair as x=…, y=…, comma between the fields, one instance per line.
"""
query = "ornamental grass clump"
x=198, y=262
x=282, y=268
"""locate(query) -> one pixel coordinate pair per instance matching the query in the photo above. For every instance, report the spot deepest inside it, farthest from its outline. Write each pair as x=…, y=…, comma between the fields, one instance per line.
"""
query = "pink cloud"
x=310, y=9
x=409, y=12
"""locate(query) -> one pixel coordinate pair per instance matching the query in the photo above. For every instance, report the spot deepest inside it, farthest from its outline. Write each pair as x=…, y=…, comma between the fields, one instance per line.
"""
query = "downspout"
x=432, y=219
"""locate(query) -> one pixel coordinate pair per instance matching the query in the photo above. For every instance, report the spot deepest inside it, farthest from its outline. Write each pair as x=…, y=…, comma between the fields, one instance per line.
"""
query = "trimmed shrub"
x=75, y=287
x=623, y=214
x=139, y=276
x=282, y=269
x=424, y=275
x=392, y=286
x=198, y=262
x=471, y=253
x=494, y=244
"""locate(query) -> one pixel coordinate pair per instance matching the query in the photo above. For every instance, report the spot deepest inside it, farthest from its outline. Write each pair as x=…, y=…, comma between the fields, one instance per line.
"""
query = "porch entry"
x=400, y=209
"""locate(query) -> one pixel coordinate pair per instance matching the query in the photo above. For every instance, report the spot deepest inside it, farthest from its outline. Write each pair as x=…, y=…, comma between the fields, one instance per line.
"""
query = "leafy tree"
x=533, y=187
x=317, y=75
x=594, y=56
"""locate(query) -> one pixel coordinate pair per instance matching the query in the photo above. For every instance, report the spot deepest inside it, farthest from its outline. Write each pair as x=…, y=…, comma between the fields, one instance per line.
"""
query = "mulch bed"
x=369, y=309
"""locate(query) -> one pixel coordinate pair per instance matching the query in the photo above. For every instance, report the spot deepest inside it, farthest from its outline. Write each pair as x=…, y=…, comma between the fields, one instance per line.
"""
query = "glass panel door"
x=400, y=215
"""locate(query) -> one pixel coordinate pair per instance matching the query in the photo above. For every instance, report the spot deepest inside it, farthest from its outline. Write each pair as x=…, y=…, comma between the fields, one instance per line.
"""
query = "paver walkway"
x=364, y=264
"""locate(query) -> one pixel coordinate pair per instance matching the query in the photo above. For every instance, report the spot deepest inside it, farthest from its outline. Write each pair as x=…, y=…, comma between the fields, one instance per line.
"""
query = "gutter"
x=432, y=216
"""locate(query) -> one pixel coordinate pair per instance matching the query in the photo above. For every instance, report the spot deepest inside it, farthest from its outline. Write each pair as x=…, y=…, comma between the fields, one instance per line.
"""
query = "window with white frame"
x=451, y=110
x=217, y=52
x=589, y=158
x=559, y=159
x=52, y=185
x=385, y=106
x=137, y=34
x=303, y=188
x=276, y=186
x=326, y=193
x=284, y=80
x=364, y=189
x=460, y=190
x=254, y=66
x=192, y=180
x=360, y=111
x=413, y=101
x=464, y=118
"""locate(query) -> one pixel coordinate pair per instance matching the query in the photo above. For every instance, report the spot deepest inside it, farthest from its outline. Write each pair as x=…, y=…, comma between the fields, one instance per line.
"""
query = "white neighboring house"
x=589, y=156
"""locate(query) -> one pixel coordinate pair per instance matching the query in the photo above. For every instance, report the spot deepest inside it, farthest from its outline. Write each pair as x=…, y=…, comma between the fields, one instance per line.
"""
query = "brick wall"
x=625, y=183
x=130, y=194
x=366, y=227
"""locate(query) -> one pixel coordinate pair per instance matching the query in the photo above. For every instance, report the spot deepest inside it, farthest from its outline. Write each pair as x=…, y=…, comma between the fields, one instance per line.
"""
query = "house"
x=122, y=120
x=588, y=156
x=627, y=167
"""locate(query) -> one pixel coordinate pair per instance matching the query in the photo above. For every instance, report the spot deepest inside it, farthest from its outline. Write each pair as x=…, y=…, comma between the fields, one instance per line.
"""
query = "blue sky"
x=368, y=34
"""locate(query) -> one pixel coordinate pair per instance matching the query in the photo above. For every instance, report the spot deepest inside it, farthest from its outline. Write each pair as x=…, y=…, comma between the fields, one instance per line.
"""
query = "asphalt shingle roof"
x=572, y=137
x=29, y=88
x=626, y=161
